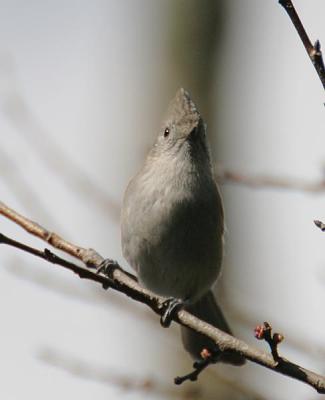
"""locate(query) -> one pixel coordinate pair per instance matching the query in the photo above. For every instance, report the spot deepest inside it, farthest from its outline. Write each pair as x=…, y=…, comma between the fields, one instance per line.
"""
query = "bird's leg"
x=172, y=306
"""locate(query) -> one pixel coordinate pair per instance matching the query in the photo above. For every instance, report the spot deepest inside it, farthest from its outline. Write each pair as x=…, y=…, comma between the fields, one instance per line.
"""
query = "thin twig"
x=88, y=256
x=264, y=332
x=198, y=368
x=320, y=225
x=299, y=344
x=313, y=51
x=87, y=370
x=124, y=381
x=122, y=282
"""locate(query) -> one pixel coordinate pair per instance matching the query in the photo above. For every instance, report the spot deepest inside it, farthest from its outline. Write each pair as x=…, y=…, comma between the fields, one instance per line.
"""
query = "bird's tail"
x=208, y=310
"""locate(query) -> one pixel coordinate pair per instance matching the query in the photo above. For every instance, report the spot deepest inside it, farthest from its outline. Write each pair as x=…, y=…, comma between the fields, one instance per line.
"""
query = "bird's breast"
x=172, y=234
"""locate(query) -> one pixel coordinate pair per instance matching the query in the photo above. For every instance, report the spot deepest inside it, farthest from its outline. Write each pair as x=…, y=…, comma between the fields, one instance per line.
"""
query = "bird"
x=172, y=224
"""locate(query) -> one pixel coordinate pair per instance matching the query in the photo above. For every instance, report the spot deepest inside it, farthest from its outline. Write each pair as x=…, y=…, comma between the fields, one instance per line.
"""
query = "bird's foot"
x=171, y=306
x=107, y=267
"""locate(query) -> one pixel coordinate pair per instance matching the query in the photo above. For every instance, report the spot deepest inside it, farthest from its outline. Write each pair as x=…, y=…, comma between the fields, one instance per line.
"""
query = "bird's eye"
x=166, y=132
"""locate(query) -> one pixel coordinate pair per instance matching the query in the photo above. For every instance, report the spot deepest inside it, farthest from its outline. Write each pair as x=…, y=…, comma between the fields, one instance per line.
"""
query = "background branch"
x=225, y=176
x=17, y=110
x=127, y=382
x=121, y=281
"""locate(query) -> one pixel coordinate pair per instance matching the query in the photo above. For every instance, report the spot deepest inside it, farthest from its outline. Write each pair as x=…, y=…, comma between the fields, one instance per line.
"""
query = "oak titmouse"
x=172, y=222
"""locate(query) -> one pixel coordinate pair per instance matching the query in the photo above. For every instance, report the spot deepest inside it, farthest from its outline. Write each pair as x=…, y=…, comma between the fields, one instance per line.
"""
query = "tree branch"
x=126, y=381
x=320, y=225
x=121, y=281
x=313, y=51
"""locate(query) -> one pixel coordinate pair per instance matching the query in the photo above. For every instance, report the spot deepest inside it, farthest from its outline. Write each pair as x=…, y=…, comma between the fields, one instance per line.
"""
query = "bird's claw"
x=172, y=306
x=107, y=268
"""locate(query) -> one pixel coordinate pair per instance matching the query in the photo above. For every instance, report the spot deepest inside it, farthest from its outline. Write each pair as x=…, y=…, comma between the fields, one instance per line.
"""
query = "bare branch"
x=121, y=281
x=320, y=225
x=300, y=344
x=313, y=51
x=264, y=332
x=127, y=382
x=267, y=181
x=88, y=256
x=198, y=368
x=122, y=380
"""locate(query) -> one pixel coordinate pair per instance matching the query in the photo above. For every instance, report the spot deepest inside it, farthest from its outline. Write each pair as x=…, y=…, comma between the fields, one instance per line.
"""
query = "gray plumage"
x=172, y=220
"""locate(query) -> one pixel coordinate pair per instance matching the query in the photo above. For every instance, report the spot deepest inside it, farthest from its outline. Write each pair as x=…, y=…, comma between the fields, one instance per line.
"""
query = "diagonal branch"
x=313, y=51
x=88, y=256
x=121, y=281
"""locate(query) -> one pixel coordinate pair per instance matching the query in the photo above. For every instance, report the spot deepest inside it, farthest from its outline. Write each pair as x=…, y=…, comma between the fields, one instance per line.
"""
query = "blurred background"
x=83, y=88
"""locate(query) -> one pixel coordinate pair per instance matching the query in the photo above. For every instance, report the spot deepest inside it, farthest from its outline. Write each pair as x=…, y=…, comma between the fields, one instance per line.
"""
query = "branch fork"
x=264, y=332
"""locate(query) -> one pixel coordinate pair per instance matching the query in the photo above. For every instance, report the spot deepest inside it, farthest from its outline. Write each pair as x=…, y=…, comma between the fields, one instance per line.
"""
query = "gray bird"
x=172, y=223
